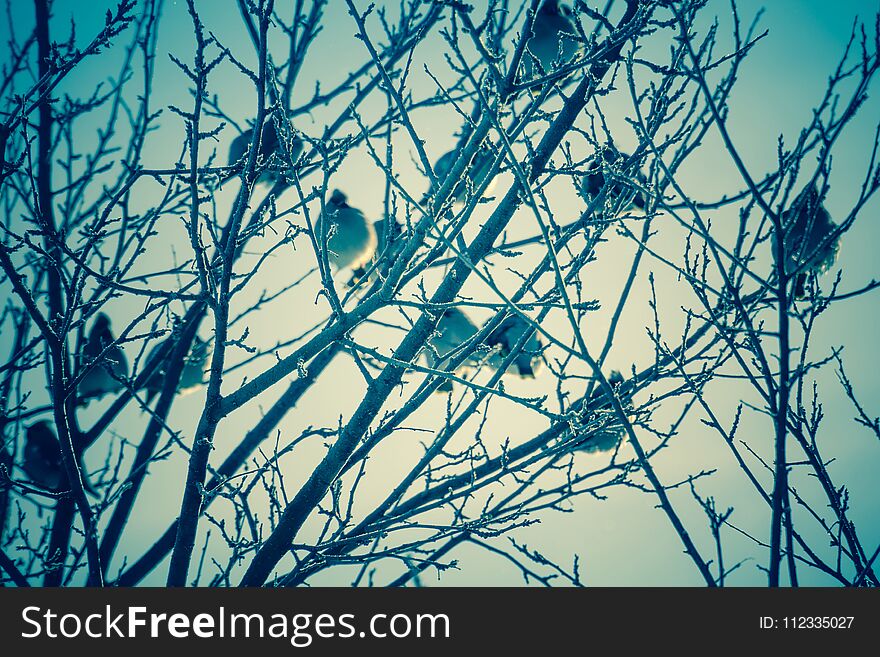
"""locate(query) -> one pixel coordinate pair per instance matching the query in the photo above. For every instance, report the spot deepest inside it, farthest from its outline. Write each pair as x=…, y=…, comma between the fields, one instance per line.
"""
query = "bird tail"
x=151, y=392
x=356, y=276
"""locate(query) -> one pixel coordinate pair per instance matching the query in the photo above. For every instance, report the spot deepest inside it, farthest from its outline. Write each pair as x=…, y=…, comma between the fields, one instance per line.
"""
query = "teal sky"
x=623, y=540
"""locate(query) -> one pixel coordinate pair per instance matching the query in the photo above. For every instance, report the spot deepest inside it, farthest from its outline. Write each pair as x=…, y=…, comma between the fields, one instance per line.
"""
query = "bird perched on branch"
x=554, y=41
x=279, y=150
x=604, y=431
x=42, y=456
x=453, y=330
x=810, y=239
x=475, y=174
x=349, y=238
x=505, y=337
x=388, y=244
x=192, y=376
x=604, y=175
x=41, y=460
x=104, y=362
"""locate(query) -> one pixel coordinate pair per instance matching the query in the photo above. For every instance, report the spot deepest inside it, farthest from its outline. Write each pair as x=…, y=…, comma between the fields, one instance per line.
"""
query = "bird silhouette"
x=554, y=41
x=42, y=462
x=454, y=329
x=42, y=456
x=103, y=369
x=350, y=239
x=603, y=167
x=475, y=174
x=604, y=431
x=276, y=157
x=192, y=376
x=810, y=239
x=504, y=338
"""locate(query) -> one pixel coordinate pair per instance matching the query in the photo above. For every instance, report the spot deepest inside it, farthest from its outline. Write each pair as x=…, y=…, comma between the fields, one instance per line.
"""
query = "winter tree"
x=420, y=292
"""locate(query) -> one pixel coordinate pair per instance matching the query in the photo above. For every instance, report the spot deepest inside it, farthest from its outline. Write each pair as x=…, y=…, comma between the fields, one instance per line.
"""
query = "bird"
x=554, y=39
x=42, y=461
x=505, y=337
x=475, y=175
x=350, y=239
x=192, y=375
x=276, y=156
x=104, y=362
x=387, y=247
x=610, y=160
x=42, y=456
x=604, y=432
x=810, y=238
x=454, y=329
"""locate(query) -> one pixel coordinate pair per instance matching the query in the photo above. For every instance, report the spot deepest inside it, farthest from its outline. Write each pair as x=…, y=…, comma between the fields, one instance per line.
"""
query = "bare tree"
x=283, y=302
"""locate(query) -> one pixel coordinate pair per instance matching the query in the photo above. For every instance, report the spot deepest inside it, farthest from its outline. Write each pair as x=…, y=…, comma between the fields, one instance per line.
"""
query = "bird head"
x=41, y=434
x=101, y=334
x=339, y=199
x=550, y=8
x=102, y=321
x=444, y=163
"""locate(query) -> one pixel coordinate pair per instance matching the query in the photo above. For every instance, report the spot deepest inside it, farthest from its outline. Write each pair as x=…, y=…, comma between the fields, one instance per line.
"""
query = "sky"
x=623, y=539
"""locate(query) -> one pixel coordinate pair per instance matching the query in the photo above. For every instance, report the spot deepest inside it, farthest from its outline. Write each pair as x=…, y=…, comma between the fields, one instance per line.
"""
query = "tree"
x=223, y=371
